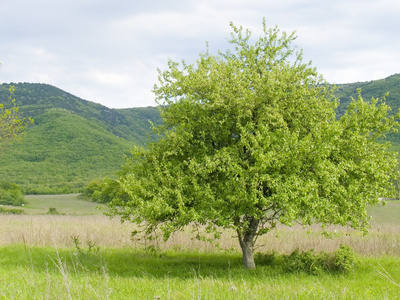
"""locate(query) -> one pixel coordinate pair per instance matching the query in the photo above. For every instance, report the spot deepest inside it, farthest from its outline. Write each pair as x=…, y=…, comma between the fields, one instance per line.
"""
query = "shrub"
x=91, y=188
x=344, y=260
x=265, y=258
x=104, y=191
x=308, y=262
x=11, y=194
x=53, y=211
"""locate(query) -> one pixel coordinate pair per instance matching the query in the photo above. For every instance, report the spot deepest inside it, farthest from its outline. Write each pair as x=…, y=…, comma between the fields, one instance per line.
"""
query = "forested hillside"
x=375, y=89
x=34, y=99
x=369, y=89
x=74, y=141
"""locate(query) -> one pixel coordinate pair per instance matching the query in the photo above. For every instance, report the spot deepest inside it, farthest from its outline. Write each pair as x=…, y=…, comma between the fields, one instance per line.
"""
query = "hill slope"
x=35, y=98
x=369, y=89
x=62, y=153
x=375, y=89
x=72, y=141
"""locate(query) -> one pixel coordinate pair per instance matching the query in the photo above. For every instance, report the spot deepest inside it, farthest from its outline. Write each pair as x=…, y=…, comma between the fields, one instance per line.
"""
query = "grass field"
x=126, y=273
x=40, y=260
x=69, y=204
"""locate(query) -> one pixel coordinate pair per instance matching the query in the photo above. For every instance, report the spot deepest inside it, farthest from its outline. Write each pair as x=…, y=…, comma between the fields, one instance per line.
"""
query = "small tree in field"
x=250, y=138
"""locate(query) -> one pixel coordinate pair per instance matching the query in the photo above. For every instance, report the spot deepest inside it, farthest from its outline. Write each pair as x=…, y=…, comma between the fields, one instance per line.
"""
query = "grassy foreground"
x=122, y=273
x=39, y=259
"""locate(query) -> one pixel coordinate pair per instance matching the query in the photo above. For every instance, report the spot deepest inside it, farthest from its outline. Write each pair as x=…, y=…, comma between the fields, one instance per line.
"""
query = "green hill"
x=72, y=141
x=61, y=153
x=376, y=89
x=36, y=98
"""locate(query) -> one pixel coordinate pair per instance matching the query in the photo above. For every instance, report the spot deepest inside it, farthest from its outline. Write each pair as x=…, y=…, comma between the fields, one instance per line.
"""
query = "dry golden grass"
x=382, y=240
x=59, y=230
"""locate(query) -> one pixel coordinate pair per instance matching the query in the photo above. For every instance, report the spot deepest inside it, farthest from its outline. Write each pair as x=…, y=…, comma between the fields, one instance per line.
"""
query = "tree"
x=12, y=125
x=250, y=138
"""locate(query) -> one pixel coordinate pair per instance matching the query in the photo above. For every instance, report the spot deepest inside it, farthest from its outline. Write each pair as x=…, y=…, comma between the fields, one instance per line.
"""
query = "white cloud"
x=109, y=51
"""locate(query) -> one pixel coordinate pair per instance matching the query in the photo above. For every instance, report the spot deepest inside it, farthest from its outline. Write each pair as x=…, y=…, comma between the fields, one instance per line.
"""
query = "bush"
x=308, y=262
x=265, y=259
x=11, y=194
x=53, y=211
x=344, y=260
x=104, y=191
x=91, y=188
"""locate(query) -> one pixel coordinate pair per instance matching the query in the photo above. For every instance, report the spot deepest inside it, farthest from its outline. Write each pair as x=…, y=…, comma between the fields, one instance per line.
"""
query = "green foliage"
x=53, y=211
x=12, y=125
x=62, y=153
x=370, y=89
x=266, y=258
x=389, y=86
x=36, y=100
x=11, y=211
x=41, y=101
x=11, y=194
x=91, y=246
x=307, y=261
x=130, y=124
x=104, y=191
x=72, y=142
x=92, y=188
x=66, y=204
x=250, y=138
x=344, y=260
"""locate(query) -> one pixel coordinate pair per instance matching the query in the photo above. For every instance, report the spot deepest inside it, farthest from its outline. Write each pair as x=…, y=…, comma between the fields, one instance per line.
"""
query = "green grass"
x=68, y=204
x=44, y=268
x=48, y=273
x=386, y=214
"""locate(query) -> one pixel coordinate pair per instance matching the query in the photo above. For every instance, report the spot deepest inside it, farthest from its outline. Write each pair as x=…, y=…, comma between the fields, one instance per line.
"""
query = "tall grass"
x=59, y=231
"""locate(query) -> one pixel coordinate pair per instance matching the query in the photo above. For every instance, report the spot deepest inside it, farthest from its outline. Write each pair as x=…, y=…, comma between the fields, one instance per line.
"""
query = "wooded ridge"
x=72, y=140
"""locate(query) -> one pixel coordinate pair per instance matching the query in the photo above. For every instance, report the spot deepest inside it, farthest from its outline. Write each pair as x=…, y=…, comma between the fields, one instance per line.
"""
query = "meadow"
x=82, y=254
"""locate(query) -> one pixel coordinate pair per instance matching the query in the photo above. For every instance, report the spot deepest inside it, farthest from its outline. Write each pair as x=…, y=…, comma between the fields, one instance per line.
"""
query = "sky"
x=108, y=51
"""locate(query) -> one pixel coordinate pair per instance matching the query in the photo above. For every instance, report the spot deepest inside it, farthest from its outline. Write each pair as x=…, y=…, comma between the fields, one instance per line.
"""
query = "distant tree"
x=12, y=125
x=250, y=138
x=104, y=191
x=11, y=194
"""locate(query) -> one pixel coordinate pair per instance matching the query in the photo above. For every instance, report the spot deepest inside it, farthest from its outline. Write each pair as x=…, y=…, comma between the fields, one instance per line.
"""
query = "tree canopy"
x=250, y=138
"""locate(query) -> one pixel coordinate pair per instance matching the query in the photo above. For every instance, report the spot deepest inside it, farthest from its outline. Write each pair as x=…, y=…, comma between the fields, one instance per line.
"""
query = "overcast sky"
x=108, y=51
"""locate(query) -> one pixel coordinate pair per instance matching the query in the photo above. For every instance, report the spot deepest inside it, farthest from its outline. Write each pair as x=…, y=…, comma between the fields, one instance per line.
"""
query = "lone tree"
x=250, y=138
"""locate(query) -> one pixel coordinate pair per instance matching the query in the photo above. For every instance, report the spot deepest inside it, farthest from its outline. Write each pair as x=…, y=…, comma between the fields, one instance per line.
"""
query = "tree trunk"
x=248, y=257
x=246, y=240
